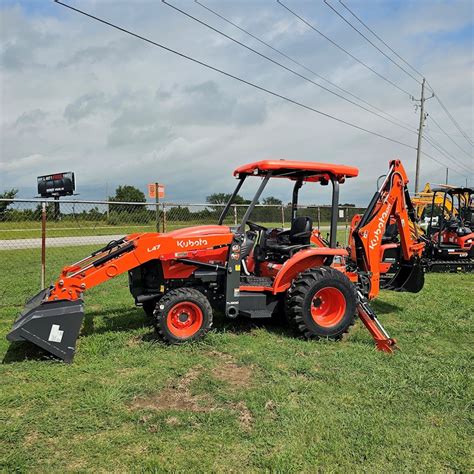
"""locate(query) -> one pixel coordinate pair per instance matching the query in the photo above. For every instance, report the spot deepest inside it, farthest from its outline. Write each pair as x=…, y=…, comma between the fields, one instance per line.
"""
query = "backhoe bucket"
x=409, y=277
x=52, y=325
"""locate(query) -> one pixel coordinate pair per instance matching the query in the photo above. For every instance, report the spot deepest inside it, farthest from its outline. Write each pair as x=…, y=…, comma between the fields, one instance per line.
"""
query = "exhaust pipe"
x=51, y=325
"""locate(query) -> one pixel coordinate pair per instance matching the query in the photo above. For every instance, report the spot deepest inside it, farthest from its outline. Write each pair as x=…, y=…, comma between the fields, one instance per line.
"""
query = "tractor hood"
x=199, y=231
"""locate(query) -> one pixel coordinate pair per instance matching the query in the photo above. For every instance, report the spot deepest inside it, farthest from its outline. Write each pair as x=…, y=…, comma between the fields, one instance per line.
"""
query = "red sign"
x=152, y=188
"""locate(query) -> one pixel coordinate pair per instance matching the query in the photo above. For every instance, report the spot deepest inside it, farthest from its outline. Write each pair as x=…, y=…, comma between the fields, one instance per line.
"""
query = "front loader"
x=182, y=277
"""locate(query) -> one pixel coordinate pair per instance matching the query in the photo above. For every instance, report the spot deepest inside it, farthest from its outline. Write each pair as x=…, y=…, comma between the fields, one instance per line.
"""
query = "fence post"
x=235, y=214
x=319, y=218
x=164, y=217
x=283, y=215
x=157, y=208
x=43, y=245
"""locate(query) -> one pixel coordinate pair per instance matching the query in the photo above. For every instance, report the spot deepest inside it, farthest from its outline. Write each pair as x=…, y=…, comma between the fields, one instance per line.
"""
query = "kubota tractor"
x=181, y=277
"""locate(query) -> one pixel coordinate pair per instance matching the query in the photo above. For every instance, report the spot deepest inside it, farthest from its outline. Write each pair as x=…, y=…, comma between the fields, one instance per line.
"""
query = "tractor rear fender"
x=301, y=261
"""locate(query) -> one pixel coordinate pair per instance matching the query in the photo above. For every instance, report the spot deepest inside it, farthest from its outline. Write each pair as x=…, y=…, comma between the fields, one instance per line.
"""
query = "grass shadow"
x=128, y=319
x=113, y=320
x=24, y=351
x=242, y=325
x=382, y=307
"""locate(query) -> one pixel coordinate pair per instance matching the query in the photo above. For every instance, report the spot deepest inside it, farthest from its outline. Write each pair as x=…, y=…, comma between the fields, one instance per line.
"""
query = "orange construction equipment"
x=181, y=277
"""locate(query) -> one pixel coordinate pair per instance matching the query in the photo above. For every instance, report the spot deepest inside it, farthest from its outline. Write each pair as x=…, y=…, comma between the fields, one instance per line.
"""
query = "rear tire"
x=183, y=315
x=321, y=303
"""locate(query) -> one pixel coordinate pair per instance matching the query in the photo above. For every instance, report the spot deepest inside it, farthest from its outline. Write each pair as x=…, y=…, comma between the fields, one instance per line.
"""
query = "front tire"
x=183, y=315
x=321, y=303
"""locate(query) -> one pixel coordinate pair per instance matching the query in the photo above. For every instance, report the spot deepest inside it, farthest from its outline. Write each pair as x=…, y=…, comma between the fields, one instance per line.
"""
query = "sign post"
x=157, y=200
x=157, y=191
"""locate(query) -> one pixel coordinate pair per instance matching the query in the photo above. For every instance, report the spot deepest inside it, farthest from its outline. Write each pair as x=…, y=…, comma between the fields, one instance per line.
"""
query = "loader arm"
x=53, y=318
x=391, y=201
x=125, y=254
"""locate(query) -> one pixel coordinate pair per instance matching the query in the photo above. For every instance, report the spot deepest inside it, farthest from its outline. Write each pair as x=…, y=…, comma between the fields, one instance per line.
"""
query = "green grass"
x=249, y=397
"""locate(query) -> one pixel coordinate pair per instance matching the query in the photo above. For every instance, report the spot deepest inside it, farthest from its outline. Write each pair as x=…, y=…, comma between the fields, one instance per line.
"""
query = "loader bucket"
x=410, y=277
x=52, y=325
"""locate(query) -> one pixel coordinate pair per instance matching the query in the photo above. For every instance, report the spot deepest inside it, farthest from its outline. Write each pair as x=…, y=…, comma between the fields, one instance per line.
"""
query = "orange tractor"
x=181, y=277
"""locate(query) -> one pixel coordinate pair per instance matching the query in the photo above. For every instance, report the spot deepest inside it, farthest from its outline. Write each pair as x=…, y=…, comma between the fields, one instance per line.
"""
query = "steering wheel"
x=256, y=227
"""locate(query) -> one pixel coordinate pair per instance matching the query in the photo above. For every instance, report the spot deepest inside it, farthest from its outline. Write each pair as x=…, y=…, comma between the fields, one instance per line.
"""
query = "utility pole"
x=420, y=134
x=420, y=130
x=447, y=175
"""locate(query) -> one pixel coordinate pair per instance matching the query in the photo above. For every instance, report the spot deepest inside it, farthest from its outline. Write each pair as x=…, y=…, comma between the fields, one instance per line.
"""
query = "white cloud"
x=78, y=95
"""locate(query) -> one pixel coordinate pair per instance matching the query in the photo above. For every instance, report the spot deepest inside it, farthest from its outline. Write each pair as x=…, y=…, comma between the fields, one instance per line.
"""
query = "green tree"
x=222, y=198
x=10, y=194
x=272, y=201
x=128, y=193
x=123, y=213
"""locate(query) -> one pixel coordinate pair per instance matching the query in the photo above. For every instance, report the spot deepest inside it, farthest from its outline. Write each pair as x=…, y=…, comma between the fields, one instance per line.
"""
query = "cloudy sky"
x=78, y=95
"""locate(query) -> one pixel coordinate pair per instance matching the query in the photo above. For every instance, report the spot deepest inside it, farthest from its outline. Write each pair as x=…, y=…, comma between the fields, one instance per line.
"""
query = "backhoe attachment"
x=409, y=276
x=382, y=339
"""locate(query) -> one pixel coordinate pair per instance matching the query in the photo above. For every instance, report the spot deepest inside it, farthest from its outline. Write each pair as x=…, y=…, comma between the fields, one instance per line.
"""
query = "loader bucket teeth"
x=51, y=325
x=409, y=277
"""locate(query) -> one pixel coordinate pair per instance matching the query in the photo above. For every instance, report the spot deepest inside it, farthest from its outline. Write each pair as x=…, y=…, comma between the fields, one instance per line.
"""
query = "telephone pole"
x=420, y=134
x=420, y=131
x=447, y=175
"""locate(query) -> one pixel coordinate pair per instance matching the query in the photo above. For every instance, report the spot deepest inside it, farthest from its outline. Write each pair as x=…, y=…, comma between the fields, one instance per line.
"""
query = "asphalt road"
x=17, y=244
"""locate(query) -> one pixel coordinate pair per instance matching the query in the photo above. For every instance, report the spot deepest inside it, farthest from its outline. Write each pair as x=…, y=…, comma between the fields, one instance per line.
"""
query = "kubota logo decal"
x=184, y=244
x=382, y=220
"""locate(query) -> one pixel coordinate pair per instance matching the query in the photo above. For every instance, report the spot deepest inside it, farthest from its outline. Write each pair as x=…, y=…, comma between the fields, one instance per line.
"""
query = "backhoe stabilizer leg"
x=382, y=339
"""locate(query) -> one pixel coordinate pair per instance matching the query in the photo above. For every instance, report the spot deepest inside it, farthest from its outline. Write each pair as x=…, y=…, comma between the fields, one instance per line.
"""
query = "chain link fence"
x=39, y=237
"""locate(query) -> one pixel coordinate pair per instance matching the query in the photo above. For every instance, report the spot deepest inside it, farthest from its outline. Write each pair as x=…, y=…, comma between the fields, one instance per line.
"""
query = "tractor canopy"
x=298, y=170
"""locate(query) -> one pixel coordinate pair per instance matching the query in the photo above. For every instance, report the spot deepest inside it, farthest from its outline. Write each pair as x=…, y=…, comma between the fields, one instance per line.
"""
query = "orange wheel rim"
x=184, y=319
x=328, y=307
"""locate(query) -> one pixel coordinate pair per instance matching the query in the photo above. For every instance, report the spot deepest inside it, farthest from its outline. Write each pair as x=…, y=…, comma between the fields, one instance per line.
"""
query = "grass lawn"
x=249, y=397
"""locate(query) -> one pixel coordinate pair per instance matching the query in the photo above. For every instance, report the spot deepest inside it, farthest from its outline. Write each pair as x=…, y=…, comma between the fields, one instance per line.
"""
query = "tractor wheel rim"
x=184, y=319
x=328, y=307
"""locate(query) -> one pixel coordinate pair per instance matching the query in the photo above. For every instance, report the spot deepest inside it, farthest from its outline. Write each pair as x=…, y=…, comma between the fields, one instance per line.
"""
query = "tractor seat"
x=247, y=244
x=298, y=237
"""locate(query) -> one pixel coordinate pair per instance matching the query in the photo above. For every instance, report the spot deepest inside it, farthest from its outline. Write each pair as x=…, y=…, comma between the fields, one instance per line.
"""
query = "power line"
x=256, y=86
x=442, y=130
x=370, y=42
x=379, y=38
x=445, y=153
x=220, y=71
x=294, y=61
x=469, y=140
x=344, y=50
x=441, y=163
x=281, y=65
x=448, y=113
x=451, y=134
